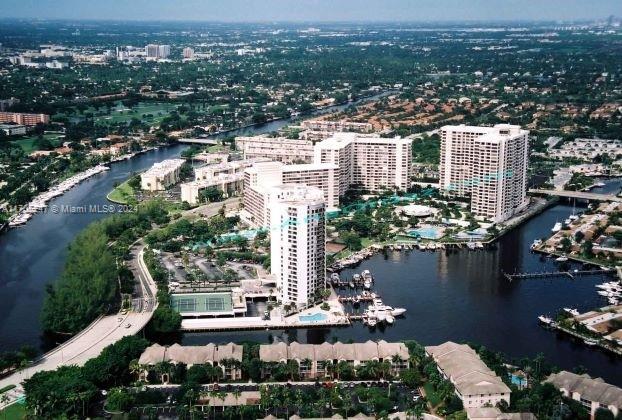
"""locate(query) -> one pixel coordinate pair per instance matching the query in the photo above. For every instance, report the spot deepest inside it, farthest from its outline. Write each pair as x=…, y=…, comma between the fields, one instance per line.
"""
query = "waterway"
x=33, y=256
x=462, y=296
x=449, y=296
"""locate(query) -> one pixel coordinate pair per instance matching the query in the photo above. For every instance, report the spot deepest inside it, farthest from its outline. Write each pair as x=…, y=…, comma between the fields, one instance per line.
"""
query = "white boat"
x=572, y=311
x=557, y=227
x=599, y=184
x=590, y=342
x=545, y=320
x=536, y=243
x=398, y=311
x=563, y=258
x=367, y=283
x=371, y=322
x=390, y=320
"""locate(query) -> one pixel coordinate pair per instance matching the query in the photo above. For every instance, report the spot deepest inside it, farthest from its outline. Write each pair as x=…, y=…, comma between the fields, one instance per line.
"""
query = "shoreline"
x=412, y=244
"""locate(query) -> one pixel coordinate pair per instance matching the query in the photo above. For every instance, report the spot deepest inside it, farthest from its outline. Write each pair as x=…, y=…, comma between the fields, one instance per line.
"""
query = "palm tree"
x=136, y=368
x=397, y=362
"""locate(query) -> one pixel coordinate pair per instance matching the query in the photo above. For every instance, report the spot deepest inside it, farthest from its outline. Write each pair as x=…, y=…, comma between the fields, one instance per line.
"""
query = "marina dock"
x=552, y=274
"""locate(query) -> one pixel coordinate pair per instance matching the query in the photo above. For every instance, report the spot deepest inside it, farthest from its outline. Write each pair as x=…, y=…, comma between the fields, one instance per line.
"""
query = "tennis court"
x=202, y=302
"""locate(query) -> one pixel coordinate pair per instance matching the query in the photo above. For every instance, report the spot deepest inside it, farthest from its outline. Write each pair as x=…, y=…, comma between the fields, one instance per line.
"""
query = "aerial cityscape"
x=247, y=209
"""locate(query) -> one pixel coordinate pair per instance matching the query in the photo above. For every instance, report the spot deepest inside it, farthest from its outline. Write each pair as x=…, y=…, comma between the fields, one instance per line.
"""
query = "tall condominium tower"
x=372, y=163
x=297, y=242
x=489, y=164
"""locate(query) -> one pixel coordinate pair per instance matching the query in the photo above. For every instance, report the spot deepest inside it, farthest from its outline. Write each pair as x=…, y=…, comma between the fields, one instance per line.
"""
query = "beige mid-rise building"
x=161, y=175
x=487, y=164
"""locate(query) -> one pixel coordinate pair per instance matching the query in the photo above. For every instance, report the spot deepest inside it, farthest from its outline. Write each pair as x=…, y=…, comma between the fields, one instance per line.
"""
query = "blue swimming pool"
x=518, y=381
x=428, y=232
x=312, y=317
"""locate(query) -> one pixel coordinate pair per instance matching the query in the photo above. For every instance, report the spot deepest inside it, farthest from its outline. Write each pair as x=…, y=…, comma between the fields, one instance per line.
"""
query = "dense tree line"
x=93, y=273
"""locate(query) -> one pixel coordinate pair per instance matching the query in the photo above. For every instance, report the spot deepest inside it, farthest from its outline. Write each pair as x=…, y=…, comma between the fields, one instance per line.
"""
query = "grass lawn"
x=122, y=193
x=431, y=395
x=149, y=112
x=13, y=412
x=28, y=143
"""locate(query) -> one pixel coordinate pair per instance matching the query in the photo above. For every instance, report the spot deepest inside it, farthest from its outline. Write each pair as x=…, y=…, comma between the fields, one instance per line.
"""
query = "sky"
x=313, y=10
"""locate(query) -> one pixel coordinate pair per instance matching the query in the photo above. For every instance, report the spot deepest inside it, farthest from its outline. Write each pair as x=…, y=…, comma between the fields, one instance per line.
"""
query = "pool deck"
x=335, y=317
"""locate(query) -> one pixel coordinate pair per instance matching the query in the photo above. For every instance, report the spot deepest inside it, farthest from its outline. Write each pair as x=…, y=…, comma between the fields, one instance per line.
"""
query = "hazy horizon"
x=320, y=11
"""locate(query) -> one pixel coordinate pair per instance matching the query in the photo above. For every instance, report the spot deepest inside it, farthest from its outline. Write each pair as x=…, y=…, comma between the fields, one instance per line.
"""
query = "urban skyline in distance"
x=315, y=10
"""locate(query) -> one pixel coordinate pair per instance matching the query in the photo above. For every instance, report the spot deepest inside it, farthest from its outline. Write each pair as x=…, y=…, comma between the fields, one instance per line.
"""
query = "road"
x=109, y=329
x=102, y=332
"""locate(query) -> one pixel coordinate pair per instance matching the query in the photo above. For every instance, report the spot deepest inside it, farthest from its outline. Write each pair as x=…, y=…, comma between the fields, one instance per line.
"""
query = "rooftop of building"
x=593, y=389
x=466, y=370
x=190, y=355
x=366, y=351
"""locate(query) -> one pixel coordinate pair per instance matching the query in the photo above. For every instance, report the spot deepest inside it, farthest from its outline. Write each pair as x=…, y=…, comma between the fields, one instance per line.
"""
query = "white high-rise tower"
x=297, y=242
x=489, y=164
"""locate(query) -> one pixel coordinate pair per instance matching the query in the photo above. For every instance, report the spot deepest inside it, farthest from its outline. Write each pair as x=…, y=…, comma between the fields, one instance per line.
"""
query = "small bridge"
x=579, y=194
x=209, y=142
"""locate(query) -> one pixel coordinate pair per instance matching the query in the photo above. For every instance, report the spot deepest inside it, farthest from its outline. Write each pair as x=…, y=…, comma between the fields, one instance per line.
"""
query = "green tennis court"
x=202, y=302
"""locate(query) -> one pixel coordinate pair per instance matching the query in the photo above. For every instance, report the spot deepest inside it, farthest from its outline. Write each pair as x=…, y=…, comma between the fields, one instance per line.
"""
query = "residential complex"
x=587, y=149
x=476, y=385
x=263, y=176
x=297, y=243
x=337, y=126
x=280, y=149
x=314, y=359
x=210, y=354
x=13, y=129
x=591, y=393
x=487, y=164
x=228, y=177
x=161, y=175
x=24, y=119
x=157, y=51
x=371, y=163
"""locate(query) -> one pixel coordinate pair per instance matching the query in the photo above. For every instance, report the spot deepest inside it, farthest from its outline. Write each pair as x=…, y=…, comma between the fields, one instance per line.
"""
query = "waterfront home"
x=314, y=359
x=592, y=393
x=476, y=385
x=226, y=356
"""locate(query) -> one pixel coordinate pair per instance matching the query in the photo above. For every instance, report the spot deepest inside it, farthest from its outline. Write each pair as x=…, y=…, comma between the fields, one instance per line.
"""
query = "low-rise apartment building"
x=476, y=385
x=592, y=393
x=228, y=177
x=337, y=126
x=228, y=357
x=280, y=149
x=161, y=175
x=314, y=359
x=23, y=118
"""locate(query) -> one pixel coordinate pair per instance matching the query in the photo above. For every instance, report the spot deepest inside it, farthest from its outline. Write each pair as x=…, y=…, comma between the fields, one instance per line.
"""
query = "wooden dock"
x=552, y=274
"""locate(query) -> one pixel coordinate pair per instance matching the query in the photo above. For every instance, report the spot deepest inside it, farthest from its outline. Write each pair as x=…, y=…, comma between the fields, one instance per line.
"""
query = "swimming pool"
x=427, y=232
x=312, y=317
x=518, y=381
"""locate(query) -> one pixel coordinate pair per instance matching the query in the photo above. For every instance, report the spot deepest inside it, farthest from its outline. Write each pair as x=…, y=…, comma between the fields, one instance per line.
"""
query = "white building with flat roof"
x=297, y=243
x=161, y=175
x=261, y=177
x=228, y=177
x=371, y=163
x=280, y=149
x=488, y=164
x=337, y=126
